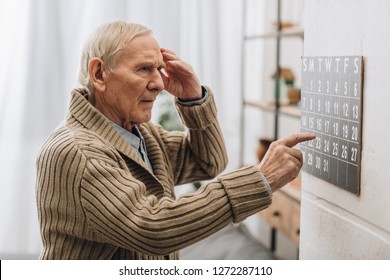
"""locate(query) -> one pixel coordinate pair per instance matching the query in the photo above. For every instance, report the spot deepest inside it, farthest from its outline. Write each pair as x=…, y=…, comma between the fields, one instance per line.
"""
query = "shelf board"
x=285, y=109
x=288, y=32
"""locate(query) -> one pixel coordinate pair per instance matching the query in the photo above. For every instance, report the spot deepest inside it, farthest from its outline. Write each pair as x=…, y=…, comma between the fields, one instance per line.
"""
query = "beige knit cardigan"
x=97, y=199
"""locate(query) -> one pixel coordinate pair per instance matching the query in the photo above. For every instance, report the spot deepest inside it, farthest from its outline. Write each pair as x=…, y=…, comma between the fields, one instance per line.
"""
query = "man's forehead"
x=144, y=42
x=147, y=48
x=150, y=58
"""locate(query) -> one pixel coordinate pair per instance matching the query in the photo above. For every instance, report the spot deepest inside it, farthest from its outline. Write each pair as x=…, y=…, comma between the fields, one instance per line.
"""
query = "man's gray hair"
x=105, y=43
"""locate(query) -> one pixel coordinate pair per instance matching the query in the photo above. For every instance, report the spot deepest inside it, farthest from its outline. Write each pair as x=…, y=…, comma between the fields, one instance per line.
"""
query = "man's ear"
x=97, y=73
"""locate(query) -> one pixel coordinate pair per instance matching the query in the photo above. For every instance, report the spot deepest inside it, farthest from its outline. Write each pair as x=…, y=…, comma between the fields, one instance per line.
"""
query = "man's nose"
x=156, y=83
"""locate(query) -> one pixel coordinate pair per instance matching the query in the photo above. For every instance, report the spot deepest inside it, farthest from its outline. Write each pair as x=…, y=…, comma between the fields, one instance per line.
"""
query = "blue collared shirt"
x=136, y=140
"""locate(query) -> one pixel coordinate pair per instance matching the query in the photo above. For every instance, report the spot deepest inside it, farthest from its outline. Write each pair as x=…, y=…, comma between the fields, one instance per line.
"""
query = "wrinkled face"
x=135, y=82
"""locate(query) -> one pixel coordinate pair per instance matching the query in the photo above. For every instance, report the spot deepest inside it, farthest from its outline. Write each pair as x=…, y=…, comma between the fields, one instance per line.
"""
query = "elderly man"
x=106, y=175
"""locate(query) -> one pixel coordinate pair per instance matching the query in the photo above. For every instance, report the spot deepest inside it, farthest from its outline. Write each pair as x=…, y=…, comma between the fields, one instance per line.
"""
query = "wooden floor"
x=231, y=243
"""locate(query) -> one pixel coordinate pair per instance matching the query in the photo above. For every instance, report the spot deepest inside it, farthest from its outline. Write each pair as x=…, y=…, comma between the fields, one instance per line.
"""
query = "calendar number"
x=354, y=133
x=345, y=110
x=344, y=152
x=353, y=154
x=355, y=112
x=345, y=131
x=326, y=165
x=335, y=150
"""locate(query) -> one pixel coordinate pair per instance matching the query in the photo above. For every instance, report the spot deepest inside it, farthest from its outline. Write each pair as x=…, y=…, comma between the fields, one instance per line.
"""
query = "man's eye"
x=146, y=68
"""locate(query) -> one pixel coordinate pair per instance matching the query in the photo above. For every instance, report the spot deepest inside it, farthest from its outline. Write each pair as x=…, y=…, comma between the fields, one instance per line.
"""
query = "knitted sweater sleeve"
x=121, y=212
x=199, y=153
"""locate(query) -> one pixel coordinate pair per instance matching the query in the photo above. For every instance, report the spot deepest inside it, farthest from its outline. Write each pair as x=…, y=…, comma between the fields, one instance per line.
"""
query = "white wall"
x=336, y=224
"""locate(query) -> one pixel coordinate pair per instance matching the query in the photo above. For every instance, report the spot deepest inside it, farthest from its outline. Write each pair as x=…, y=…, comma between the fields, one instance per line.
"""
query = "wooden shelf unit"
x=286, y=109
x=283, y=215
x=287, y=32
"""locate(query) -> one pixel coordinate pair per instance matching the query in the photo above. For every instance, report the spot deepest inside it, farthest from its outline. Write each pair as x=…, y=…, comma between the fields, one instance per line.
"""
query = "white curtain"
x=39, y=53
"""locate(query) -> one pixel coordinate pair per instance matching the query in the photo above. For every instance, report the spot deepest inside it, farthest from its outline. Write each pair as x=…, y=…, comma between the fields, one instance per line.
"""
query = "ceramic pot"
x=262, y=148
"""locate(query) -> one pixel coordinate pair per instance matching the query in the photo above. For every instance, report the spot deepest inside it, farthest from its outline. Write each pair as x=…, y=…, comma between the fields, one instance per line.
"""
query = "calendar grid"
x=331, y=108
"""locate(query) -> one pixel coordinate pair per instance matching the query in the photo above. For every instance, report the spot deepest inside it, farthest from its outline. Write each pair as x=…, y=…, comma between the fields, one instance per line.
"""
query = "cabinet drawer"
x=284, y=215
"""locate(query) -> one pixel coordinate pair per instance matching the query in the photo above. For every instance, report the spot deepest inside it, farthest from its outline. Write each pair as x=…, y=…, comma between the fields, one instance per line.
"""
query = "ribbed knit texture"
x=97, y=199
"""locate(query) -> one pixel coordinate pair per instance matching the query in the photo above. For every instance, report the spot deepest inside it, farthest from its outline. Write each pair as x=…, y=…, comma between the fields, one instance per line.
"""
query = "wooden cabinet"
x=284, y=212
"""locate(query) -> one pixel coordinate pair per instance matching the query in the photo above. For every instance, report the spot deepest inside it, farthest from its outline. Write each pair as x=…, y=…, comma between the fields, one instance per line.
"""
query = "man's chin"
x=146, y=118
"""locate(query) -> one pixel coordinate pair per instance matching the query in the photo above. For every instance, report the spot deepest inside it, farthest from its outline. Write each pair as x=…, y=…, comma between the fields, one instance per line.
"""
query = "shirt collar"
x=136, y=140
x=133, y=139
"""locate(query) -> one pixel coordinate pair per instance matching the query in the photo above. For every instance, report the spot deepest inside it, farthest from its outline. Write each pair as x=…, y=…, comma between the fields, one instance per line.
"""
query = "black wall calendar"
x=331, y=107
